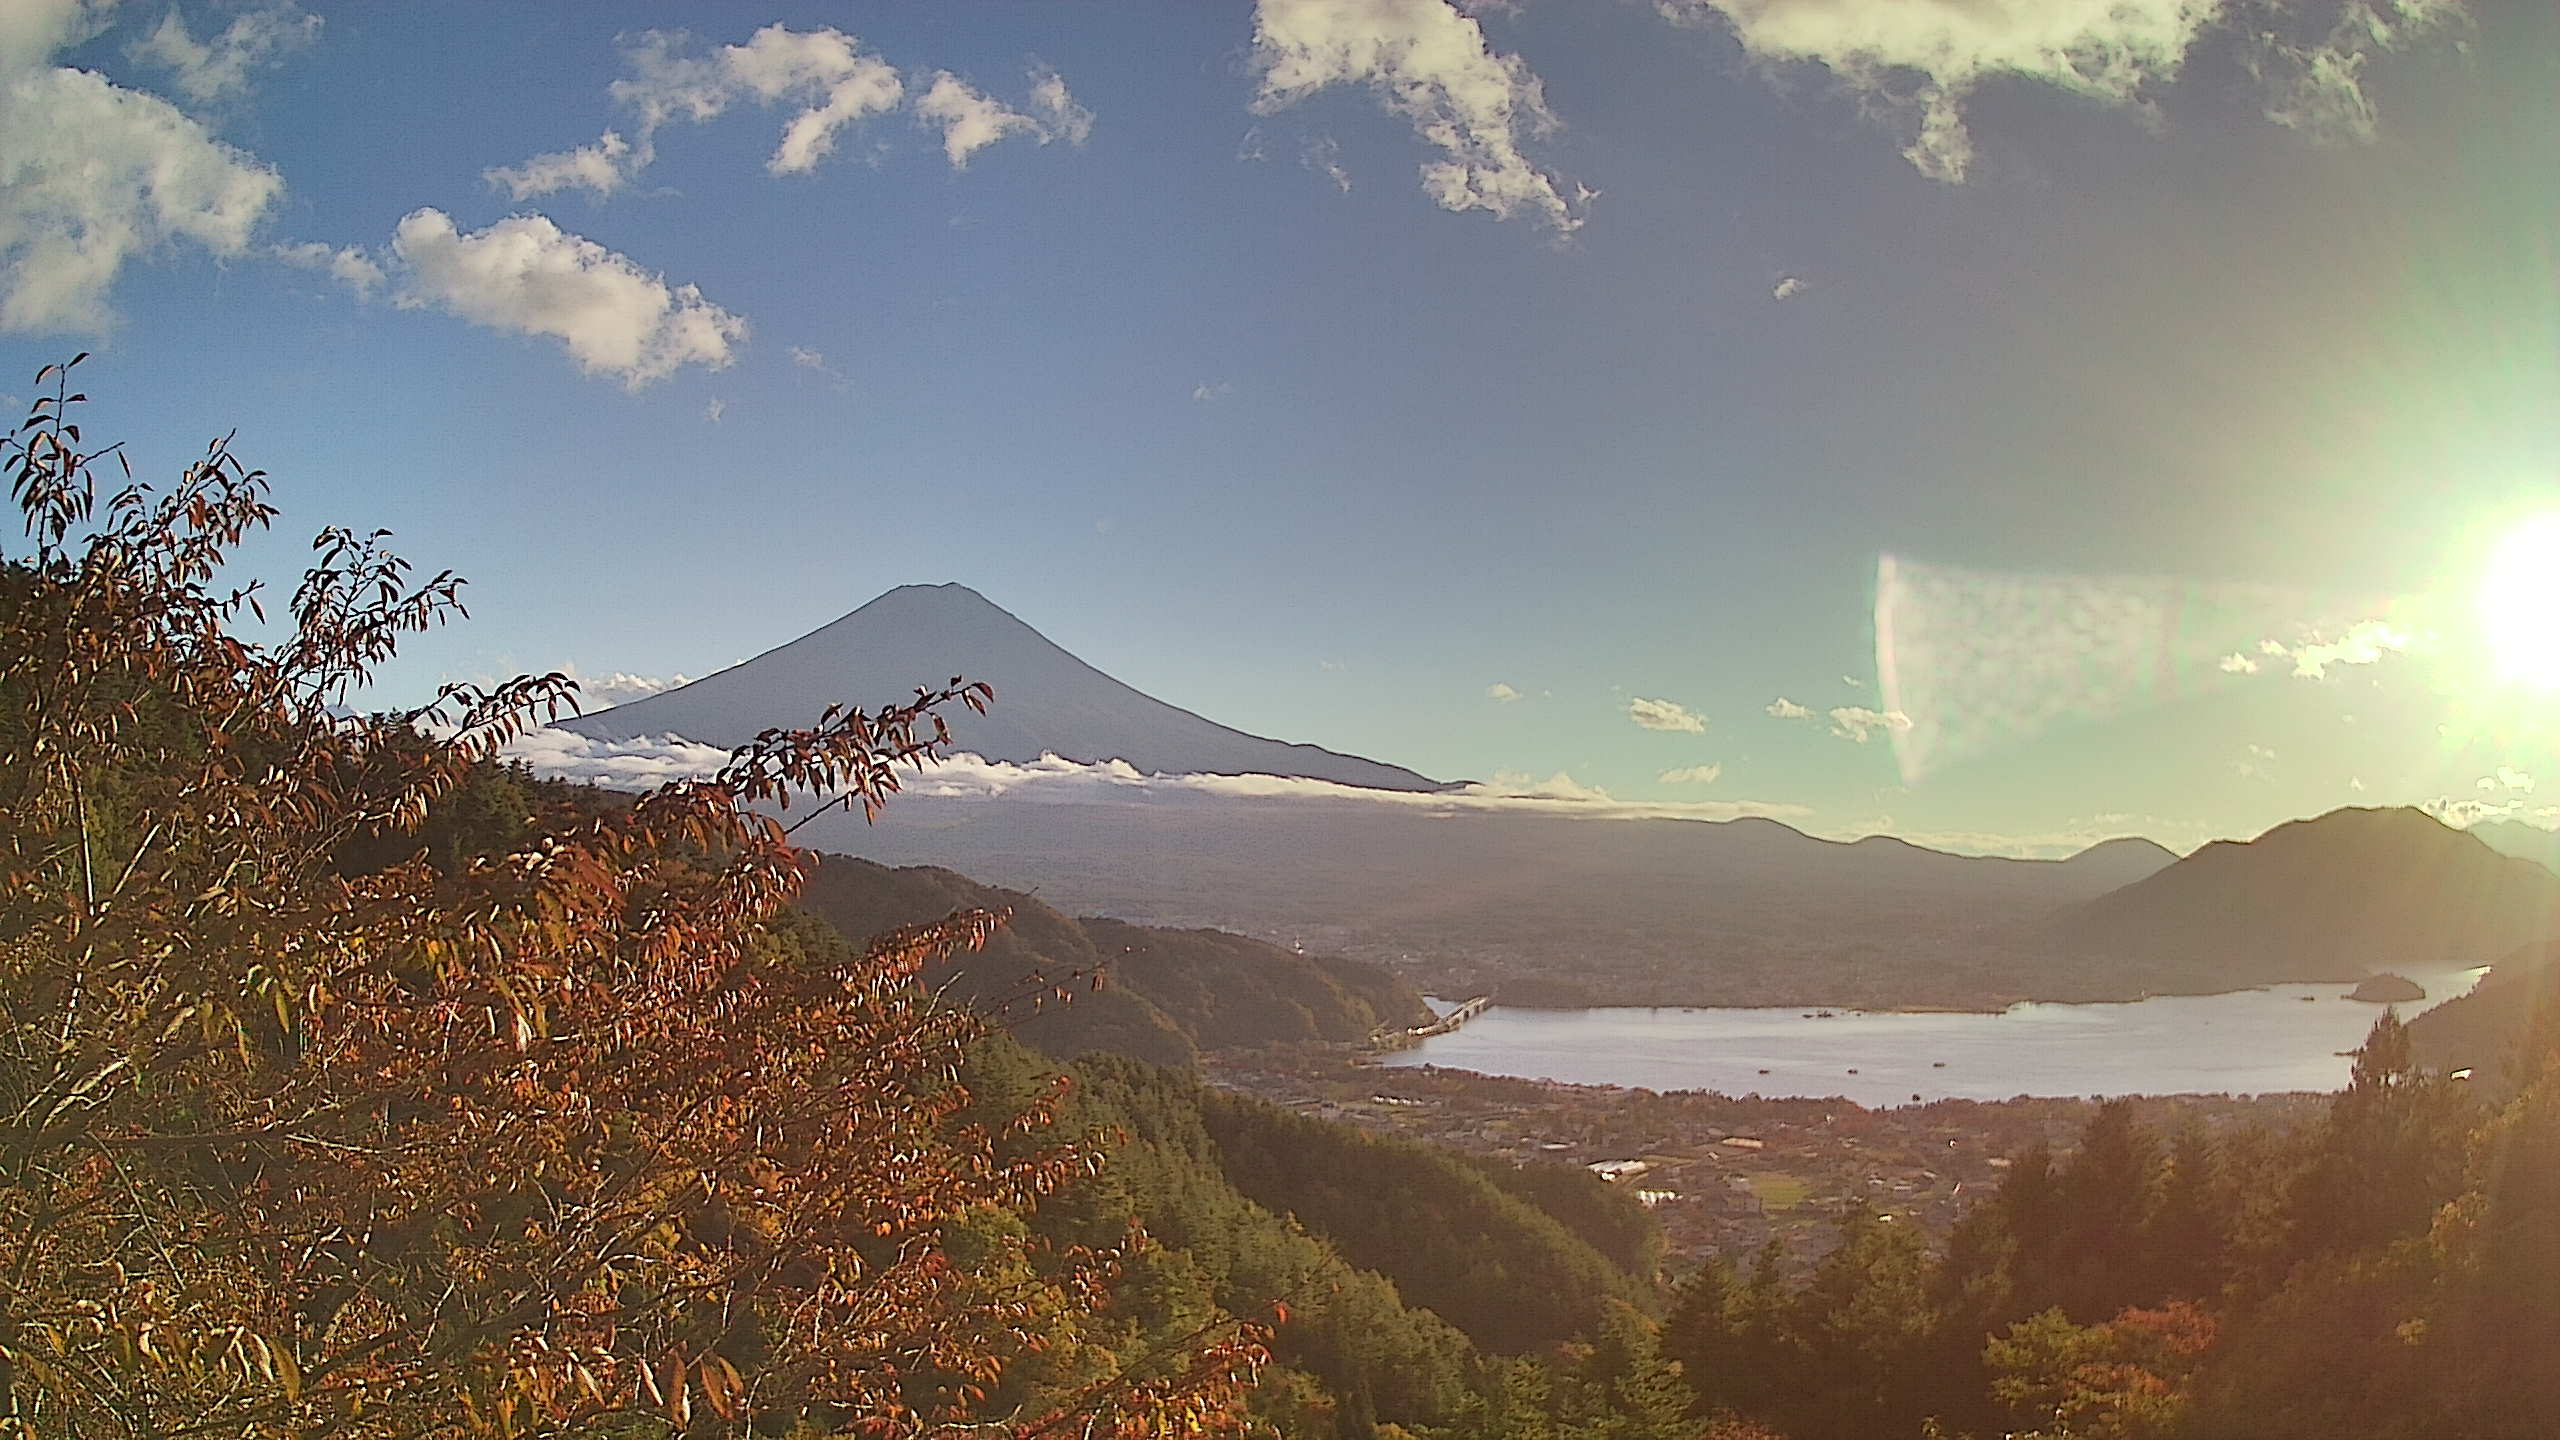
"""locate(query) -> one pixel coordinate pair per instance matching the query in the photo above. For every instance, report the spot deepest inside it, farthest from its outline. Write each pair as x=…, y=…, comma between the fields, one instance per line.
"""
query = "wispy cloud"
x=971, y=120
x=1786, y=709
x=1209, y=393
x=620, y=687
x=638, y=764
x=1428, y=63
x=599, y=169
x=2316, y=86
x=1502, y=691
x=813, y=359
x=1666, y=715
x=2463, y=812
x=220, y=67
x=349, y=265
x=1788, y=287
x=827, y=79
x=1690, y=775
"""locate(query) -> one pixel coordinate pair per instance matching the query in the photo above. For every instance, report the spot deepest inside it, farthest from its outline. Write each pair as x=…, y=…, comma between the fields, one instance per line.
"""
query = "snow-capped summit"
x=1047, y=701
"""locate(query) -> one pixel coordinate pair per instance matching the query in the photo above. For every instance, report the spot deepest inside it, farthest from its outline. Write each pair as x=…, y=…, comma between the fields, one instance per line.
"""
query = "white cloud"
x=1207, y=393
x=599, y=168
x=1428, y=63
x=1690, y=775
x=2508, y=779
x=1917, y=63
x=1502, y=691
x=2465, y=812
x=2236, y=663
x=617, y=765
x=1859, y=724
x=638, y=764
x=349, y=265
x=2363, y=643
x=1666, y=715
x=2355, y=784
x=1786, y=709
x=1788, y=287
x=716, y=408
x=527, y=275
x=596, y=692
x=825, y=74
x=93, y=175
x=217, y=69
x=970, y=121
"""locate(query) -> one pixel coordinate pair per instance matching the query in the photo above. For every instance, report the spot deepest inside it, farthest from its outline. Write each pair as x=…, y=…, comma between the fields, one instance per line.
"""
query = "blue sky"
x=1324, y=365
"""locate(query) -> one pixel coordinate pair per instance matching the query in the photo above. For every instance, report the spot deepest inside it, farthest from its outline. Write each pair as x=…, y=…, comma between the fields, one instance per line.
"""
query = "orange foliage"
x=501, y=1149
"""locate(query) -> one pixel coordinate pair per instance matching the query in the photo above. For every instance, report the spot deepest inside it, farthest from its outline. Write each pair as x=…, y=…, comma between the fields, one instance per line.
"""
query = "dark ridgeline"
x=2340, y=897
x=1163, y=995
x=2525, y=842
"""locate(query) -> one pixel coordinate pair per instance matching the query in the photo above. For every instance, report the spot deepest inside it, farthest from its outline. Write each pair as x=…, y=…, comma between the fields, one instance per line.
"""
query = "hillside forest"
x=355, y=1084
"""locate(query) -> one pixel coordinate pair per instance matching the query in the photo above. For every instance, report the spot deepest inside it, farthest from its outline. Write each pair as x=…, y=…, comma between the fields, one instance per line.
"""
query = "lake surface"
x=2247, y=1042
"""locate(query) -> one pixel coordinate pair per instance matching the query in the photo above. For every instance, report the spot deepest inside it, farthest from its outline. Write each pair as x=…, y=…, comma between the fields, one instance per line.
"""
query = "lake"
x=2285, y=1037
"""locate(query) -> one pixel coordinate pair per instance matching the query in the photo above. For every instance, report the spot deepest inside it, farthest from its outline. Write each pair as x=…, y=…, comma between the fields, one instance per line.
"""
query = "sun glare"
x=2520, y=603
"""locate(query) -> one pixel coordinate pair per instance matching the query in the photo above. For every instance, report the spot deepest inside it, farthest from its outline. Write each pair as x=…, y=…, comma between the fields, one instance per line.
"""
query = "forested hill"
x=2339, y=897
x=1165, y=995
x=2486, y=1030
x=1420, y=1288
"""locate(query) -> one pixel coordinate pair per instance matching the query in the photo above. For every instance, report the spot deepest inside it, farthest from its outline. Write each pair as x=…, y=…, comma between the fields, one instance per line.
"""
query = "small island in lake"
x=2388, y=989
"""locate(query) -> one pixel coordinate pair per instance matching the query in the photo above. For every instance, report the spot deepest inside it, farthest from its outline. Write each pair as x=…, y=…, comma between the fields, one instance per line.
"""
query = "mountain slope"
x=1538, y=909
x=1168, y=994
x=2333, y=898
x=1048, y=702
x=2482, y=1030
x=2123, y=861
x=2525, y=842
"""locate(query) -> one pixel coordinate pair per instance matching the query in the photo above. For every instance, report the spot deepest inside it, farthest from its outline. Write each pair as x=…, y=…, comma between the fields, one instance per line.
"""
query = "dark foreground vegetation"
x=353, y=1085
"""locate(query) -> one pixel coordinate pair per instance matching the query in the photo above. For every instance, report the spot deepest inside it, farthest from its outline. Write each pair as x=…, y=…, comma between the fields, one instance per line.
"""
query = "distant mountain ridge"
x=1165, y=994
x=1542, y=908
x=2525, y=842
x=2336, y=897
x=1048, y=702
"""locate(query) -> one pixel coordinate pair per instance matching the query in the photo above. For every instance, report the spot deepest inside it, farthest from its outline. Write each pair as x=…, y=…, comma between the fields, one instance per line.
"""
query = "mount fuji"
x=1048, y=702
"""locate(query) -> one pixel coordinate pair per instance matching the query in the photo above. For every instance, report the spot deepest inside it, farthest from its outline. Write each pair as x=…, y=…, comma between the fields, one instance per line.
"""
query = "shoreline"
x=1838, y=1008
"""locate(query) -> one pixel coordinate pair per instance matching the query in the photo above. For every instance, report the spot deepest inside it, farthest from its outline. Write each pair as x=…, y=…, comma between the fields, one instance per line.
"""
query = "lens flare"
x=2520, y=603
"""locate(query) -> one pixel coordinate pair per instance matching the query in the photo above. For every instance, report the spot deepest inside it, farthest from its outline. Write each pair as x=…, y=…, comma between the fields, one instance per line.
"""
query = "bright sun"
x=2520, y=603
